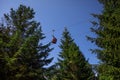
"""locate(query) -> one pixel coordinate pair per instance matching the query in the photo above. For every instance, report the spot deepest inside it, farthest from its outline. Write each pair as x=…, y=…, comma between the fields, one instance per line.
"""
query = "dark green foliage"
x=22, y=55
x=107, y=30
x=72, y=64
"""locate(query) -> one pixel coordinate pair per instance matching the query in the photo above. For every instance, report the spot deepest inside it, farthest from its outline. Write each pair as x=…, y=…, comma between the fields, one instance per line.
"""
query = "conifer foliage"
x=72, y=64
x=107, y=29
x=22, y=55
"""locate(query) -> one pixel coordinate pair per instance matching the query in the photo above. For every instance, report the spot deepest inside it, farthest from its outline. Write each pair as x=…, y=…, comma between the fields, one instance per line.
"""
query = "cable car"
x=54, y=40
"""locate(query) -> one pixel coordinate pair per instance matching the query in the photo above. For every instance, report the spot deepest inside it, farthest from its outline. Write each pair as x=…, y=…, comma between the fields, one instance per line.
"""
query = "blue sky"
x=57, y=14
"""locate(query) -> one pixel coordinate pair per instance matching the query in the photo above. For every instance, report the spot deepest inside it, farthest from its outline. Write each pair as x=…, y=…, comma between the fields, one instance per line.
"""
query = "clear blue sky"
x=57, y=14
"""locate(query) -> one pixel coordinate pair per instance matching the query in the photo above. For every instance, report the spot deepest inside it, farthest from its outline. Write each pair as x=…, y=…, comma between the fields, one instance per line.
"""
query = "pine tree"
x=107, y=29
x=72, y=64
x=3, y=41
x=22, y=54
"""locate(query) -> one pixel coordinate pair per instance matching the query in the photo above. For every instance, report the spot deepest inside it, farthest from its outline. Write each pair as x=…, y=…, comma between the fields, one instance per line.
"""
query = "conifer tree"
x=107, y=29
x=3, y=41
x=22, y=55
x=72, y=64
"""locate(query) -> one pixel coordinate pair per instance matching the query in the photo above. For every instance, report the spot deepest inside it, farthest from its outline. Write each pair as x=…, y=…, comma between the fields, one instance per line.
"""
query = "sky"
x=58, y=14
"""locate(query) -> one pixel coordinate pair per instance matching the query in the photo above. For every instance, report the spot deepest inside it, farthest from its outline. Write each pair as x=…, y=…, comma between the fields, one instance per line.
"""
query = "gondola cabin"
x=54, y=40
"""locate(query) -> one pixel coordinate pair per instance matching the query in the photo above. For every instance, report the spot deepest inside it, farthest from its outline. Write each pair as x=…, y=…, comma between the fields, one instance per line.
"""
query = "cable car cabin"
x=54, y=40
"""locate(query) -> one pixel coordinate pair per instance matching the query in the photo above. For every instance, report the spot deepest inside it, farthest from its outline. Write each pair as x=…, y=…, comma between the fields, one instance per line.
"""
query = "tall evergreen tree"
x=22, y=55
x=107, y=29
x=72, y=64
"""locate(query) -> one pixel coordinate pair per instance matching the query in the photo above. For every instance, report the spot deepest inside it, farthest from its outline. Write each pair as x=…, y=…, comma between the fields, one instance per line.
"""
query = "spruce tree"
x=22, y=55
x=4, y=38
x=107, y=29
x=72, y=64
